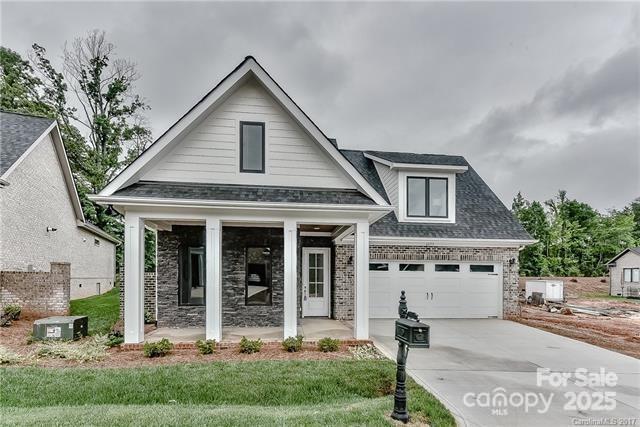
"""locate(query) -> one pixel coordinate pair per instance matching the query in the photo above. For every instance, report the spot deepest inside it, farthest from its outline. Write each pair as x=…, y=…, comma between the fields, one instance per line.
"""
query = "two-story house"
x=263, y=220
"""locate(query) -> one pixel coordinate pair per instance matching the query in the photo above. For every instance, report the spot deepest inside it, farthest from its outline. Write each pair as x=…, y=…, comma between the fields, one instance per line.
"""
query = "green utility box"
x=61, y=328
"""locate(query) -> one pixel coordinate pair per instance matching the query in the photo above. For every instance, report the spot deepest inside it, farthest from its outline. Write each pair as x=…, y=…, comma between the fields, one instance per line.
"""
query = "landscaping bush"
x=12, y=311
x=158, y=348
x=327, y=345
x=148, y=317
x=292, y=344
x=206, y=346
x=7, y=357
x=250, y=346
x=94, y=348
x=114, y=338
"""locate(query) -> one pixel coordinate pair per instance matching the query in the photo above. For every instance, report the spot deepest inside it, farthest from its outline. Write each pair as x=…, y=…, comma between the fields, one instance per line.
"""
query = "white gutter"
x=426, y=241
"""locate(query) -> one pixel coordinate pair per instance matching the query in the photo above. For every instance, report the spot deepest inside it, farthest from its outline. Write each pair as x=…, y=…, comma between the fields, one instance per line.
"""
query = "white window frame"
x=451, y=197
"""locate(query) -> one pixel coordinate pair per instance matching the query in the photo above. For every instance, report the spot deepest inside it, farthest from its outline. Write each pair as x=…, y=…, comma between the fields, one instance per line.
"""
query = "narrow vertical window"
x=252, y=147
x=258, y=276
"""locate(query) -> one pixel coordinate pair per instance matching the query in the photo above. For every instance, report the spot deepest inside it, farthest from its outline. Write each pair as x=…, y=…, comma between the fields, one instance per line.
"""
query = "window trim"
x=246, y=275
x=631, y=270
x=427, y=194
x=264, y=154
x=403, y=202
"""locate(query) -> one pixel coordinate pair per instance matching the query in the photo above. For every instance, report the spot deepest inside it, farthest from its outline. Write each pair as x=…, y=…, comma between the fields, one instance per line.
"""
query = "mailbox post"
x=410, y=332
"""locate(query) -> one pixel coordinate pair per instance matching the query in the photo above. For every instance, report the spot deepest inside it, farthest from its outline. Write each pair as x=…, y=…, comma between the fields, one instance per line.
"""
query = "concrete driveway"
x=486, y=372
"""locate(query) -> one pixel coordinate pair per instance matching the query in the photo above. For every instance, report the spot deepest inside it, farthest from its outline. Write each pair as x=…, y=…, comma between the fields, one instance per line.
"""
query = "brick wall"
x=149, y=293
x=46, y=291
x=343, y=271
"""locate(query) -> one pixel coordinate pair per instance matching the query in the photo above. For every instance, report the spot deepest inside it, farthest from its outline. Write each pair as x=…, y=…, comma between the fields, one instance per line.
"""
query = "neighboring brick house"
x=263, y=220
x=41, y=218
x=624, y=273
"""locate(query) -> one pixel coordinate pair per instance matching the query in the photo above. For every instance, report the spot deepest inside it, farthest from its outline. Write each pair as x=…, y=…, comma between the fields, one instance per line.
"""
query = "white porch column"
x=213, y=281
x=290, y=278
x=361, y=273
x=133, y=278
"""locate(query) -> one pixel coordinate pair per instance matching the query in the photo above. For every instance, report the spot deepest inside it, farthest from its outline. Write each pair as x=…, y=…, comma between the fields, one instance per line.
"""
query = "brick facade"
x=149, y=293
x=41, y=291
x=343, y=271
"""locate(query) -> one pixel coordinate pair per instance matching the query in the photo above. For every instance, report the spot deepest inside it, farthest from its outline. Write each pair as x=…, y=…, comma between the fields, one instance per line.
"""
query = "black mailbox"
x=413, y=333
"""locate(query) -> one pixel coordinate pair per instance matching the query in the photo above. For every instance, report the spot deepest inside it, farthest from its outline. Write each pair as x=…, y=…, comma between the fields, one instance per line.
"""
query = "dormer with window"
x=420, y=192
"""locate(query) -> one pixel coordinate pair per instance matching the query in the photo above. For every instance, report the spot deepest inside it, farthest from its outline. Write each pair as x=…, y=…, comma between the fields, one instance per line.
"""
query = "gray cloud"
x=511, y=86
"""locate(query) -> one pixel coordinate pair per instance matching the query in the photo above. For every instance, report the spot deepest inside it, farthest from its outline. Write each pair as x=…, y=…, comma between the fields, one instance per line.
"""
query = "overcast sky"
x=537, y=96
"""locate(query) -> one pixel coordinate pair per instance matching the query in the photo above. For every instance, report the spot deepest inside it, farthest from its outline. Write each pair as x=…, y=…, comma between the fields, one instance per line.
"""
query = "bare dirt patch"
x=617, y=328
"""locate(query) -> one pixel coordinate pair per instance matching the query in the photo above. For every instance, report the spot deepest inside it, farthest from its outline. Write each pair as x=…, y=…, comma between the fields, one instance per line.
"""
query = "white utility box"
x=552, y=290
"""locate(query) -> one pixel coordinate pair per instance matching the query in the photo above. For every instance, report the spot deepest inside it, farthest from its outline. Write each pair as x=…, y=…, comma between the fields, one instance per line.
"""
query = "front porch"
x=312, y=329
x=226, y=296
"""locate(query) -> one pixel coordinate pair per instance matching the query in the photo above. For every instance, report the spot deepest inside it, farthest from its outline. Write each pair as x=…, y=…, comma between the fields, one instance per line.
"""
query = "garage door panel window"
x=427, y=197
x=378, y=266
x=481, y=268
x=449, y=268
x=411, y=267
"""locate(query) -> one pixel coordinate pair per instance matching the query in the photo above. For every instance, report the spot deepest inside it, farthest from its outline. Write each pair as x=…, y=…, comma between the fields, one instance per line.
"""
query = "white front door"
x=316, y=279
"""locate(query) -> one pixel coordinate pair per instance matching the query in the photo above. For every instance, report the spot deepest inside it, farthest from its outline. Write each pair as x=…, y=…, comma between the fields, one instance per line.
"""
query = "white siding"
x=37, y=198
x=210, y=153
x=389, y=178
x=628, y=260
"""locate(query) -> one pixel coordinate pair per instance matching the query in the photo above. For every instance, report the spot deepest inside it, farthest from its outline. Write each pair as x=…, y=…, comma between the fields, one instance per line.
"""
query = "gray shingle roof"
x=367, y=170
x=228, y=192
x=17, y=133
x=419, y=159
x=479, y=212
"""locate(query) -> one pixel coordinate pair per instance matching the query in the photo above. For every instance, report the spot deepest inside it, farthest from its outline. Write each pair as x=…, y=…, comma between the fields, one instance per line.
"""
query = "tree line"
x=574, y=239
x=100, y=116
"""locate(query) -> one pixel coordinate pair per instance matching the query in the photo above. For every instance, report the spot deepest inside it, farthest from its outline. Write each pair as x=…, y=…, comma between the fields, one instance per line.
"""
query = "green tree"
x=534, y=219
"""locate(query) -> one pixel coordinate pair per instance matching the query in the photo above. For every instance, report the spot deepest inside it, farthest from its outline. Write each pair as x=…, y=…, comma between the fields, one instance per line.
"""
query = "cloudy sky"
x=537, y=96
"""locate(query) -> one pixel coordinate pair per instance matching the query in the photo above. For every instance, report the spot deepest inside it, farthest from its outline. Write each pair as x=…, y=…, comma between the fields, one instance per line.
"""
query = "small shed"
x=624, y=273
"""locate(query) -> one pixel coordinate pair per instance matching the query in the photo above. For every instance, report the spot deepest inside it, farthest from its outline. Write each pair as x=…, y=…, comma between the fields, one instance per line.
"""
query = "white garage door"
x=445, y=289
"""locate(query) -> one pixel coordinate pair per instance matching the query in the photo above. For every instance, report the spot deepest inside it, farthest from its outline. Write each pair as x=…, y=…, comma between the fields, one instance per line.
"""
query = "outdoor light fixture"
x=51, y=229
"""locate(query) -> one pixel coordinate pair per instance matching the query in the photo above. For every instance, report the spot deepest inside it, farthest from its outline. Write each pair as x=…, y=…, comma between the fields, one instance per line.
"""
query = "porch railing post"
x=133, y=279
x=290, y=278
x=213, y=288
x=361, y=273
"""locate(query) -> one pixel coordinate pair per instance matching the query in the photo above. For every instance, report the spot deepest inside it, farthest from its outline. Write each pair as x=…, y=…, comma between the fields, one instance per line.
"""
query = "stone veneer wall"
x=343, y=297
x=235, y=240
x=149, y=293
x=38, y=290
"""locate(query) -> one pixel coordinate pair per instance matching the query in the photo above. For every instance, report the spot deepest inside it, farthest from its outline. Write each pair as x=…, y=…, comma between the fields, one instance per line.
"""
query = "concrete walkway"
x=471, y=362
x=312, y=329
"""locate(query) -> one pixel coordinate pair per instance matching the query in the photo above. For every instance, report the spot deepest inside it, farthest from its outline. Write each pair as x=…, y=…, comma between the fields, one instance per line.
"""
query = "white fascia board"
x=206, y=105
x=97, y=231
x=424, y=241
x=194, y=203
x=423, y=167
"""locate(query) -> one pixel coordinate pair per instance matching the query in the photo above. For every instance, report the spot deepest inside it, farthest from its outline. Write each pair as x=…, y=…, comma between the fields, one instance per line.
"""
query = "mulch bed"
x=15, y=339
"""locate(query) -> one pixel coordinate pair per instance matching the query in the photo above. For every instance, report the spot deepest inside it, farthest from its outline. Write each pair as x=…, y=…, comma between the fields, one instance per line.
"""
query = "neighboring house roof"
x=233, y=192
x=419, y=159
x=249, y=67
x=18, y=132
x=19, y=135
x=479, y=212
x=624, y=252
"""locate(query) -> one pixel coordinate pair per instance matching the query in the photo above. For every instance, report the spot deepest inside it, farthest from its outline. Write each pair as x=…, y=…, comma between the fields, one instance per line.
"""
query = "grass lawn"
x=103, y=310
x=219, y=393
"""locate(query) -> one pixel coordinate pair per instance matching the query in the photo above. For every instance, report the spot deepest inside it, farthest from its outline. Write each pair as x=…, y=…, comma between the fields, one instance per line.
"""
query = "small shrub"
x=12, y=311
x=327, y=345
x=292, y=344
x=114, y=338
x=148, y=317
x=94, y=348
x=206, y=346
x=7, y=357
x=250, y=346
x=158, y=348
